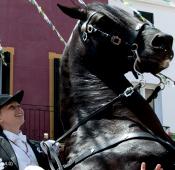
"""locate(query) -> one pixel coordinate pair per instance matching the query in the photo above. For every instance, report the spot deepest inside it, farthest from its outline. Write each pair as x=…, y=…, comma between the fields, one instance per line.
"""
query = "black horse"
x=111, y=128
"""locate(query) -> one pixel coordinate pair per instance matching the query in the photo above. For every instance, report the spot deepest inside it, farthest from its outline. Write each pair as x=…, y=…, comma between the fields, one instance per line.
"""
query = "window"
x=6, y=72
x=156, y=103
x=149, y=16
x=146, y=92
x=56, y=128
x=159, y=2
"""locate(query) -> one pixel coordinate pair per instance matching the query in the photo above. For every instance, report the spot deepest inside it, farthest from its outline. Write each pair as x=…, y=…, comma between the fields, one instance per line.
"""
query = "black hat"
x=6, y=98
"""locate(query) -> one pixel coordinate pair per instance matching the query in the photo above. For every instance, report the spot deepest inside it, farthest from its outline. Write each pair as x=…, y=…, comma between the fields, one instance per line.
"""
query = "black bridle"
x=87, y=29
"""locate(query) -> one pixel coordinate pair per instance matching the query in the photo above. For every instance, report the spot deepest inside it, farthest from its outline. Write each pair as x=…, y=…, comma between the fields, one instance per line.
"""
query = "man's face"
x=11, y=116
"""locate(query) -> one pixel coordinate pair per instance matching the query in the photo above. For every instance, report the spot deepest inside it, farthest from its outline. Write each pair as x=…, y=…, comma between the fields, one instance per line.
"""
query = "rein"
x=148, y=135
x=130, y=136
x=128, y=92
x=51, y=154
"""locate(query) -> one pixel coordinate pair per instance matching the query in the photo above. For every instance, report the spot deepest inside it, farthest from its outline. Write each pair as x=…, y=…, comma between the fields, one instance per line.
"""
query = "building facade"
x=161, y=13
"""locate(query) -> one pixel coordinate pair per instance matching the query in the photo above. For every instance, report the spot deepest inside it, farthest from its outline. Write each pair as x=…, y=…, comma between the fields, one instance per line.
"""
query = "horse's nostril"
x=162, y=41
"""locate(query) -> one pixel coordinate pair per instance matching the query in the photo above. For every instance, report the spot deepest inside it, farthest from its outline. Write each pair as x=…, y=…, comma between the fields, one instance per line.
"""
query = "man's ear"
x=77, y=13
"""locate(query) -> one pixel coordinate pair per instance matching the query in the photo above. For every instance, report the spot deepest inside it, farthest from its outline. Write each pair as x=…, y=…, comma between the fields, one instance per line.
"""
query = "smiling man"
x=16, y=151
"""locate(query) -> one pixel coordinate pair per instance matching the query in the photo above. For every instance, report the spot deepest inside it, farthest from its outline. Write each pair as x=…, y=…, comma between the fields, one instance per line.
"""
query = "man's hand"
x=51, y=145
x=1, y=164
x=143, y=166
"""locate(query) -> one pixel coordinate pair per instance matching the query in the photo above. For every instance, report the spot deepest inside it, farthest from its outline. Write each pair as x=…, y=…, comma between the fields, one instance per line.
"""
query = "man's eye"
x=12, y=107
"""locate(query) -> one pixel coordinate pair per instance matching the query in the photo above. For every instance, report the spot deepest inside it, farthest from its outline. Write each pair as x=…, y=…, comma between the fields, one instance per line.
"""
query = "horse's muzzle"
x=163, y=42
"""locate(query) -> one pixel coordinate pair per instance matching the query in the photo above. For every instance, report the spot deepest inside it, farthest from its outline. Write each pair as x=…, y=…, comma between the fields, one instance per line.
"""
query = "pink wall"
x=22, y=27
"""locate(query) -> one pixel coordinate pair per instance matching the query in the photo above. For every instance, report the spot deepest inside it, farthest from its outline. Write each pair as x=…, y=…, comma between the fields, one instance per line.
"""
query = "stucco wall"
x=24, y=29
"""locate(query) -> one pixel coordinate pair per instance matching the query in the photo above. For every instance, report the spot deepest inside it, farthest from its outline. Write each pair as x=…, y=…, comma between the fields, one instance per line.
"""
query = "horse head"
x=120, y=39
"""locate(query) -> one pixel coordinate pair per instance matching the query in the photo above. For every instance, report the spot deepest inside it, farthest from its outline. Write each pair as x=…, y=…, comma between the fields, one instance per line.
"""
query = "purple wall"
x=22, y=27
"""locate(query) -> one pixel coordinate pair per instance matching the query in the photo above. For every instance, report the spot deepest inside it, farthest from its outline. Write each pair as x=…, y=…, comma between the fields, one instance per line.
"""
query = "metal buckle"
x=128, y=91
x=116, y=40
x=90, y=28
x=84, y=36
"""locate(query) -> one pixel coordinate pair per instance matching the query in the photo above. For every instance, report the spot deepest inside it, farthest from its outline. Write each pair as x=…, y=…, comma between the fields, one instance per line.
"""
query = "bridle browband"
x=87, y=29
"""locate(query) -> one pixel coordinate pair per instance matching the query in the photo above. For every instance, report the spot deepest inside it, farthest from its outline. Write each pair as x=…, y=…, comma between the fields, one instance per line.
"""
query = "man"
x=17, y=152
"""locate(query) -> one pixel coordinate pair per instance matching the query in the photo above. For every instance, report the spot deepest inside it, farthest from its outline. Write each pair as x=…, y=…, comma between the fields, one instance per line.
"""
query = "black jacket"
x=9, y=158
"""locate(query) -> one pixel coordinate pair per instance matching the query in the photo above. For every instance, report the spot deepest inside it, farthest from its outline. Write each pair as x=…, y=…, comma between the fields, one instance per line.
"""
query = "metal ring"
x=116, y=40
x=90, y=28
x=134, y=47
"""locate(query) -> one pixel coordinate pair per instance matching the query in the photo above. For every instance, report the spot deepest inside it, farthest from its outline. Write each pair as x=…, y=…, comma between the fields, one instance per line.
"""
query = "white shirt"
x=22, y=149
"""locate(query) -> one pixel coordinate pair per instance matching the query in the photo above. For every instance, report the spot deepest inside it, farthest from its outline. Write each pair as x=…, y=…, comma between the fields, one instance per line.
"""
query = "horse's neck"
x=92, y=93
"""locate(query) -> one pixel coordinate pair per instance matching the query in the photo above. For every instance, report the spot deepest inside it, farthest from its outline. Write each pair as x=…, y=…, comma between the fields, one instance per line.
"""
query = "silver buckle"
x=128, y=91
x=84, y=36
x=90, y=28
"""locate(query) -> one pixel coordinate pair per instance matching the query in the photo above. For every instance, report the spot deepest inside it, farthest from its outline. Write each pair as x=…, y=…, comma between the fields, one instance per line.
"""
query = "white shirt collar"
x=13, y=137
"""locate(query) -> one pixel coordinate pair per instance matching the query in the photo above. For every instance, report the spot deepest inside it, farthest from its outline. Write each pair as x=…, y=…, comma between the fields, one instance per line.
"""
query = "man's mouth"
x=19, y=115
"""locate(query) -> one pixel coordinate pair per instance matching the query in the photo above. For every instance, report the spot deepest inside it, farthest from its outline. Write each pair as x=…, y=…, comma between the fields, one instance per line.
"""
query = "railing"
x=37, y=121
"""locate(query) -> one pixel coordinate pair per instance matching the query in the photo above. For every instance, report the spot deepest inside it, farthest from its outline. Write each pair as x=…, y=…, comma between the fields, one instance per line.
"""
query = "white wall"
x=164, y=16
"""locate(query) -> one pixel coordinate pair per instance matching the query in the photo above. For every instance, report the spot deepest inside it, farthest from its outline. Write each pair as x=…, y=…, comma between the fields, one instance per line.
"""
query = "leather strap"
x=126, y=137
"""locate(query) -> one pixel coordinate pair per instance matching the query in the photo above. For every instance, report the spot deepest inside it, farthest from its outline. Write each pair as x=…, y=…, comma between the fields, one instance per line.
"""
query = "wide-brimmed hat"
x=6, y=98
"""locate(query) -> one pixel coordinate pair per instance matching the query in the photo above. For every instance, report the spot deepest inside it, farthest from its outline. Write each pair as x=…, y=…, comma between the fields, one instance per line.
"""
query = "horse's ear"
x=77, y=13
